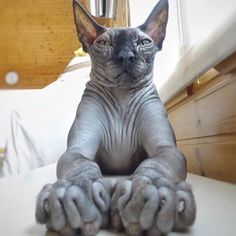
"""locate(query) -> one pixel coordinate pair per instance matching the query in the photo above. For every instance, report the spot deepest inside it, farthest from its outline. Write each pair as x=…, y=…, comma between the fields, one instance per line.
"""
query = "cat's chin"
x=125, y=79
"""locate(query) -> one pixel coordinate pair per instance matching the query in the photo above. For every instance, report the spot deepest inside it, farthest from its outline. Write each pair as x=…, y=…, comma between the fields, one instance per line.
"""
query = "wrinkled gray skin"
x=121, y=128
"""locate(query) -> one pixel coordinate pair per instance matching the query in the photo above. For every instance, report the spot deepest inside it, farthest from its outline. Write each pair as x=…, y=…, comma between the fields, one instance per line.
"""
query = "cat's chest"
x=121, y=131
x=122, y=160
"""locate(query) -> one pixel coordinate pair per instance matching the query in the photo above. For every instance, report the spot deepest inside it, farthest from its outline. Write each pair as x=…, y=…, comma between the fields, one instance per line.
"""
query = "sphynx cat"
x=120, y=129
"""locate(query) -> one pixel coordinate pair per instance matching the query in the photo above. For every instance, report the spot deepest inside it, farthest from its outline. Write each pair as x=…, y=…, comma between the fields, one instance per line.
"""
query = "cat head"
x=122, y=56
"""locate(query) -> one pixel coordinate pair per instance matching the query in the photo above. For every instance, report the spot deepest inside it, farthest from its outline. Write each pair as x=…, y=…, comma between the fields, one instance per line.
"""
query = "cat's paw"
x=139, y=206
x=74, y=207
x=134, y=205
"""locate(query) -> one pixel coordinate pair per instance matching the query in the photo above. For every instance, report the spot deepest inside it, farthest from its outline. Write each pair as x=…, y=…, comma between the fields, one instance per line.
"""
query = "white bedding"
x=38, y=131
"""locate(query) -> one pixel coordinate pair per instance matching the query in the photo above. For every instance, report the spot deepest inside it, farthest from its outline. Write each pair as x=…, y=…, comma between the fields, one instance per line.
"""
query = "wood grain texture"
x=205, y=126
x=37, y=40
x=227, y=65
x=212, y=156
x=177, y=99
x=210, y=111
x=121, y=14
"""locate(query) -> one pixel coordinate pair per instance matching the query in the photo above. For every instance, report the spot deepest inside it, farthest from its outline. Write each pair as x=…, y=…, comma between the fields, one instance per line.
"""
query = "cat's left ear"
x=87, y=28
x=155, y=25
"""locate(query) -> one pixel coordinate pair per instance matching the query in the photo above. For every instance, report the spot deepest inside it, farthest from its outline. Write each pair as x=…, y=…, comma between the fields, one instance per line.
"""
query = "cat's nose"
x=126, y=57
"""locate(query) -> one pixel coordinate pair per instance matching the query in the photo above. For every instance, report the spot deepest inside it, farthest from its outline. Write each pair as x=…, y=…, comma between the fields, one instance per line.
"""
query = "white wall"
x=202, y=17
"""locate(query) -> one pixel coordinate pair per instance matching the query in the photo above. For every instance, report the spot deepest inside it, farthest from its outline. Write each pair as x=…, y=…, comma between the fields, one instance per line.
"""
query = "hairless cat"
x=120, y=129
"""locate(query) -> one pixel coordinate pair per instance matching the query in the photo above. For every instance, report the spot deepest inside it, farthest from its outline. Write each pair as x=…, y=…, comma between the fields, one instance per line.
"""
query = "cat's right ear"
x=87, y=28
x=155, y=25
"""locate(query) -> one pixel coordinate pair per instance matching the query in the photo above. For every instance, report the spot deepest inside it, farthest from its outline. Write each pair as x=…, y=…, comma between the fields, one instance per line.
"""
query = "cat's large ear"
x=155, y=25
x=87, y=28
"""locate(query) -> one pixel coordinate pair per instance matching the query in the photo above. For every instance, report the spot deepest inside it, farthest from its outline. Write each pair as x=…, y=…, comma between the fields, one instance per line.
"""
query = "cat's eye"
x=104, y=42
x=145, y=42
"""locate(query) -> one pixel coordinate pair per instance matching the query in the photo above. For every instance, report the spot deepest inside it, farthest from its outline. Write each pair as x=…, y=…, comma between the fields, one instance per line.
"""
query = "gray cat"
x=121, y=128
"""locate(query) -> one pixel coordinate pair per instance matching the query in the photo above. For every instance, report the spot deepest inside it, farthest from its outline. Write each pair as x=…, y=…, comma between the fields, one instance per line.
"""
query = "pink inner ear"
x=151, y=29
x=87, y=28
x=156, y=26
x=90, y=34
x=154, y=32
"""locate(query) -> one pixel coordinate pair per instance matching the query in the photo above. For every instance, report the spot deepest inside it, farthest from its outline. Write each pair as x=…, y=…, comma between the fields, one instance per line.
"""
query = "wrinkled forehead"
x=124, y=34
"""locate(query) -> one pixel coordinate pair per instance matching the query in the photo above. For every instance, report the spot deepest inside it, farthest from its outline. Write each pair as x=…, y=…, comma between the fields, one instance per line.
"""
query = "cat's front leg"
x=77, y=203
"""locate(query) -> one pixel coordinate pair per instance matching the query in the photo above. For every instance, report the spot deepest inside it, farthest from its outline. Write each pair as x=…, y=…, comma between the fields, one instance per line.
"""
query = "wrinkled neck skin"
x=122, y=95
x=121, y=92
x=99, y=79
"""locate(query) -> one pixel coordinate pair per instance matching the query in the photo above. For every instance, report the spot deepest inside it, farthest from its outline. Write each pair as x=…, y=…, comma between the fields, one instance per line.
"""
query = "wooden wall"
x=204, y=119
x=38, y=39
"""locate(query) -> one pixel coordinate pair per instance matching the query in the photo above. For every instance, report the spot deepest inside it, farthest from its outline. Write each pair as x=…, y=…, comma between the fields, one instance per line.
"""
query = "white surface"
x=216, y=205
x=11, y=100
x=202, y=17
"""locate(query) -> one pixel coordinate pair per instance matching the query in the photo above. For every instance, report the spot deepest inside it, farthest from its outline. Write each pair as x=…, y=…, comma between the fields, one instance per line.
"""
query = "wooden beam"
x=227, y=65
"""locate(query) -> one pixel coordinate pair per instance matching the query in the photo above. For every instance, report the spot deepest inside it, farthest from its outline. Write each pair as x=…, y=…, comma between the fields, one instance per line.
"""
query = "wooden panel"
x=204, y=120
x=177, y=99
x=122, y=14
x=209, y=112
x=213, y=157
x=37, y=40
x=202, y=80
x=227, y=65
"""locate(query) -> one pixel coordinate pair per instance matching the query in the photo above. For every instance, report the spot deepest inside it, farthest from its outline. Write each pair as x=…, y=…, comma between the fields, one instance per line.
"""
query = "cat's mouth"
x=125, y=78
x=125, y=75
